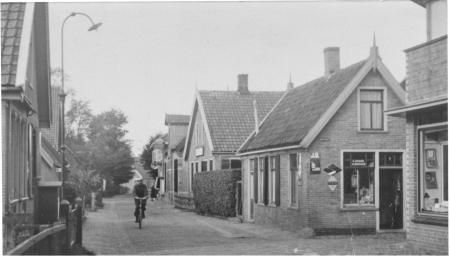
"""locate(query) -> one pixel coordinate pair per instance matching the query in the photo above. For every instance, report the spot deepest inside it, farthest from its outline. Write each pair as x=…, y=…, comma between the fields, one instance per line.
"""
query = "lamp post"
x=62, y=95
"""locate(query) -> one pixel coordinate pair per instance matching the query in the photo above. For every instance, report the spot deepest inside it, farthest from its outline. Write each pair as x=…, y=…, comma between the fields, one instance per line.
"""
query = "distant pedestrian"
x=153, y=193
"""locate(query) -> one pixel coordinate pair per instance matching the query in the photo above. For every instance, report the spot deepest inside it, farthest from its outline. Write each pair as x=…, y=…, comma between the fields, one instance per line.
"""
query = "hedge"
x=214, y=192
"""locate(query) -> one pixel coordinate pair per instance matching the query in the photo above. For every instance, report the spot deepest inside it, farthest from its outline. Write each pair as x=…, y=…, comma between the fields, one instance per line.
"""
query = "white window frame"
x=260, y=180
x=419, y=132
x=298, y=173
x=385, y=105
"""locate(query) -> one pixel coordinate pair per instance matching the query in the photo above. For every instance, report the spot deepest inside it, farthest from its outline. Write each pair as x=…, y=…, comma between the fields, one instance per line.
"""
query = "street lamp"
x=62, y=95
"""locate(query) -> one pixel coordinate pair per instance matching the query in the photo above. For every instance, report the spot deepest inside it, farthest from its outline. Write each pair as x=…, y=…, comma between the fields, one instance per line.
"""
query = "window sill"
x=293, y=207
x=373, y=131
x=358, y=209
x=431, y=220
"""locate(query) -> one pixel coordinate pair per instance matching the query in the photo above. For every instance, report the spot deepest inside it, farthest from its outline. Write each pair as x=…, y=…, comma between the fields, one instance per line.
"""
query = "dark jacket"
x=140, y=190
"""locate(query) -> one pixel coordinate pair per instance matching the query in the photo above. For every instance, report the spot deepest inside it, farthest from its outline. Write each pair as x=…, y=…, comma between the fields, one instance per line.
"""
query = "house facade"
x=327, y=157
x=176, y=176
x=159, y=156
x=426, y=114
x=220, y=122
x=26, y=108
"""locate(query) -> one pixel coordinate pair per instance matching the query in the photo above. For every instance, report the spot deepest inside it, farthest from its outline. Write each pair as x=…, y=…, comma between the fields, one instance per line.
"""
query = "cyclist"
x=140, y=190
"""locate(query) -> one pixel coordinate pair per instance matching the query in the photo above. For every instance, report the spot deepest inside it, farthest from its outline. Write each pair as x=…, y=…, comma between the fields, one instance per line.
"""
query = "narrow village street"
x=112, y=230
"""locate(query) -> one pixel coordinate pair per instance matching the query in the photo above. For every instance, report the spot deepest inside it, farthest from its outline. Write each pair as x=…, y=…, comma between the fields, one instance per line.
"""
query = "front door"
x=391, y=199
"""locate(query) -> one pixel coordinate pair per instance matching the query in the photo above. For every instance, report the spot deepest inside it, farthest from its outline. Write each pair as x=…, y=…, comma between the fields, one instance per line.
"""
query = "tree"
x=111, y=153
x=146, y=155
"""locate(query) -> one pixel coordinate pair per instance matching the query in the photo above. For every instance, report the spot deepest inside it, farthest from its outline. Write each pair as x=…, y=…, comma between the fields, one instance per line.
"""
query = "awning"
x=416, y=106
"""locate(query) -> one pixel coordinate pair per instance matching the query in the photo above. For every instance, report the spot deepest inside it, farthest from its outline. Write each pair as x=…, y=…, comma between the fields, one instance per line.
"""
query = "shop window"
x=371, y=112
x=359, y=181
x=293, y=166
x=433, y=171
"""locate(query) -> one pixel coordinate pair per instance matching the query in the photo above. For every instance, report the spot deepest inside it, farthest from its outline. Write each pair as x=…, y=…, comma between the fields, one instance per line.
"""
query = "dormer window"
x=371, y=109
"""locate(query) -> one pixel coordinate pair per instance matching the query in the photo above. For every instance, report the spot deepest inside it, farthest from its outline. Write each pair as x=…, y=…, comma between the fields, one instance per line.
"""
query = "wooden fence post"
x=79, y=222
x=65, y=210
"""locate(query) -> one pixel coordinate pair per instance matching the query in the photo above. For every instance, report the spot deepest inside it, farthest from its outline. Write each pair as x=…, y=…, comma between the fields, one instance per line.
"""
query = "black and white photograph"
x=298, y=127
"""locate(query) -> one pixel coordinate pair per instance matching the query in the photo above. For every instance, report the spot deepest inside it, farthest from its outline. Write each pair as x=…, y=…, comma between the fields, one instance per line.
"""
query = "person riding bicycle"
x=140, y=190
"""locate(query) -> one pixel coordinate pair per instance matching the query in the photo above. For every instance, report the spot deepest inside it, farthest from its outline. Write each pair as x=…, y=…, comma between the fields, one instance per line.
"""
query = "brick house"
x=220, y=122
x=26, y=108
x=176, y=176
x=336, y=119
x=426, y=172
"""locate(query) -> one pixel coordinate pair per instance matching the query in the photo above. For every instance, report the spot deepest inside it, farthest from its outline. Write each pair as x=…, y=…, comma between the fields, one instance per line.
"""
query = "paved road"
x=112, y=230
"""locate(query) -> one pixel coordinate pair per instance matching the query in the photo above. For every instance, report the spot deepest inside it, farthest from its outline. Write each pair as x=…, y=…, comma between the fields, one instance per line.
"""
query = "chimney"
x=332, y=62
x=243, y=84
x=290, y=84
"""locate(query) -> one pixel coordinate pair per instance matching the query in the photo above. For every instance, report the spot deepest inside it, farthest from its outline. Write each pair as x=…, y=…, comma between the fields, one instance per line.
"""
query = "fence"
x=57, y=239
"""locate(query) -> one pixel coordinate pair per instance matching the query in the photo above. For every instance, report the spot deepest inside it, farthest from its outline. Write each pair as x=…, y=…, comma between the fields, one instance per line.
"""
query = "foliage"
x=214, y=192
x=146, y=155
x=111, y=153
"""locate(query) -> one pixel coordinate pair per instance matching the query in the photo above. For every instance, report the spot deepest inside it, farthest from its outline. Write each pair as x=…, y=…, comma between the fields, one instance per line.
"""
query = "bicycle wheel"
x=140, y=219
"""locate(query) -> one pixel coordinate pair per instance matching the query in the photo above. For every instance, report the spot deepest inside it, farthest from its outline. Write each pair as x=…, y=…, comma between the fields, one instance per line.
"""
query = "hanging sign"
x=315, y=163
x=332, y=183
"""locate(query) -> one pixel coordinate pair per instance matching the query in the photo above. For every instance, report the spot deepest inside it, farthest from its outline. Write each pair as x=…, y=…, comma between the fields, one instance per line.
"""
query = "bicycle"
x=140, y=212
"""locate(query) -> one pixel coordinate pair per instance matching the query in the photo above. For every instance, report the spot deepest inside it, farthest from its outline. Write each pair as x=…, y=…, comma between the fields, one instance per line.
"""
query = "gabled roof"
x=53, y=153
x=180, y=146
x=300, y=109
x=229, y=116
x=305, y=110
x=176, y=119
x=12, y=23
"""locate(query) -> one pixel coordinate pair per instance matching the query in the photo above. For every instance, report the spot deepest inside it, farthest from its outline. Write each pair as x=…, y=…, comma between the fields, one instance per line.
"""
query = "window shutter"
x=255, y=180
x=277, y=180
x=266, y=180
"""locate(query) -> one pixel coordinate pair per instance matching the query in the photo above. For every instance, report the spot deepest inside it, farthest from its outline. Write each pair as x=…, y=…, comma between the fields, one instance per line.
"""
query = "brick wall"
x=319, y=207
x=432, y=237
x=342, y=133
x=426, y=69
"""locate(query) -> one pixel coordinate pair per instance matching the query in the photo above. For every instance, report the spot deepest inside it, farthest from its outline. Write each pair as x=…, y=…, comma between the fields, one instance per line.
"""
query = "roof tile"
x=12, y=22
x=230, y=115
x=300, y=109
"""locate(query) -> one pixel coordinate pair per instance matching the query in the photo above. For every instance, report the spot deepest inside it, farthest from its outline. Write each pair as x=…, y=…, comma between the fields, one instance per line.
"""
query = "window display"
x=433, y=171
x=359, y=182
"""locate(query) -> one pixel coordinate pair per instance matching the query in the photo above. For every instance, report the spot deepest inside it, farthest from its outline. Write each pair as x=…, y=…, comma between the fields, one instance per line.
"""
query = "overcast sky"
x=148, y=58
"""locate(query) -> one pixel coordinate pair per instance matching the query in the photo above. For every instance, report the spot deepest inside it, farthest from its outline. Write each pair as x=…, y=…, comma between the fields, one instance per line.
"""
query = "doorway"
x=391, y=199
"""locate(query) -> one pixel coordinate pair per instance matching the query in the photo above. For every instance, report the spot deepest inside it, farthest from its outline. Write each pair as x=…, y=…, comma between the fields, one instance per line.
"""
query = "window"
x=225, y=164
x=371, y=112
x=251, y=178
x=254, y=169
x=204, y=166
x=433, y=170
x=192, y=175
x=211, y=167
x=235, y=164
x=359, y=181
x=293, y=166
x=262, y=180
x=196, y=167
x=274, y=180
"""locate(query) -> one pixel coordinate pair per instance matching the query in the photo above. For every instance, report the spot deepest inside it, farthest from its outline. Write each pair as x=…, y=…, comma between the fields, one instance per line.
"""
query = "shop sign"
x=315, y=163
x=332, y=183
x=358, y=162
x=199, y=151
x=157, y=155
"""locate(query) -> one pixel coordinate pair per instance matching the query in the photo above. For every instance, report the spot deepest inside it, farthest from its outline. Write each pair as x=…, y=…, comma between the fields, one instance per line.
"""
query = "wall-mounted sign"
x=157, y=155
x=315, y=163
x=199, y=151
x=332, y=183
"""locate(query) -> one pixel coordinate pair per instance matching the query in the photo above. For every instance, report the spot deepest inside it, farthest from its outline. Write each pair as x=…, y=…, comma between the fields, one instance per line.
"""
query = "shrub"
x=214, y=192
